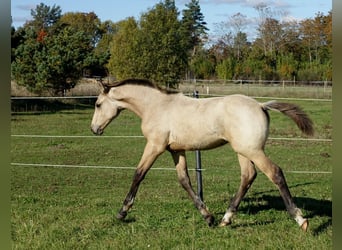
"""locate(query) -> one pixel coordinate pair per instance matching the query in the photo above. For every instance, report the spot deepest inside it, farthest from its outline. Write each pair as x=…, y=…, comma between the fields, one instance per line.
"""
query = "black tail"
x=293, y=111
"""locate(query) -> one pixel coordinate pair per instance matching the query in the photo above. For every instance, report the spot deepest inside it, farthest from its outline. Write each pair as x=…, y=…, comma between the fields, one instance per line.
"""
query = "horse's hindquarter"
x=211, y=122
x=246, y=123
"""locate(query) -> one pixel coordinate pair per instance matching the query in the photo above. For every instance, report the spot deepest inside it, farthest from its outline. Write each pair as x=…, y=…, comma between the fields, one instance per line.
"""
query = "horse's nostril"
x=95, y=130
x=99, y=131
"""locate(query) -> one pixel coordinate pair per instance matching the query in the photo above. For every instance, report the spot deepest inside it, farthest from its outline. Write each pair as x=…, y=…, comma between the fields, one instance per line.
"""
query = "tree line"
x=54, y=50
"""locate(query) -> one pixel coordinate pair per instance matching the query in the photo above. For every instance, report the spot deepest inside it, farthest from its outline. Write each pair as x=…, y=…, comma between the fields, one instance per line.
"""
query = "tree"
x=194, y=31
x=203, y=64
x=193, y=25
x=240, y=43
x=54, y=63
x=290, y=40
x=108, y=30
x=269, y=29
x=238, y=21
x=151, y=47
x=165, y=56
x=102, y=49
x=315, y=35
x=271, y=34
x=91, y=26
x=89, y=23
x=45, y=16
x=17, y=37
x=225, y=69
x=223, y=47
x=125, y=56
x=52, y=55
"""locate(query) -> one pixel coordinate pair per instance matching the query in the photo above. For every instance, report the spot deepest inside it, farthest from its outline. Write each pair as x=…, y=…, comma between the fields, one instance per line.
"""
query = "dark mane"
x=139, y=82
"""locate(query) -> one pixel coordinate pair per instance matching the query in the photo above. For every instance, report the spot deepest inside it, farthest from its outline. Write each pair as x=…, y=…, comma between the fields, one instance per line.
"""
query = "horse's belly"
x=193, y=143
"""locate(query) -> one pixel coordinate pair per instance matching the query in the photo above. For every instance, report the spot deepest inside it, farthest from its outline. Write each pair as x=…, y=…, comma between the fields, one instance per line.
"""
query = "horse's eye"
x=98, y=105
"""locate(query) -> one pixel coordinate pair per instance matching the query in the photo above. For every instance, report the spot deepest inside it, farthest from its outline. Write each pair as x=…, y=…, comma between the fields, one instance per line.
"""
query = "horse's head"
x=106, y=109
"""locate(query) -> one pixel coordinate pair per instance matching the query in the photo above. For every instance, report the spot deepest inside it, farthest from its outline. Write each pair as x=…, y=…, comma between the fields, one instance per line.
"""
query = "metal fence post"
x=198, y=165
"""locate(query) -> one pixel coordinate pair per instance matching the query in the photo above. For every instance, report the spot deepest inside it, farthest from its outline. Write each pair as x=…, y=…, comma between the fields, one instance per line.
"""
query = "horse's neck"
x=143, y=100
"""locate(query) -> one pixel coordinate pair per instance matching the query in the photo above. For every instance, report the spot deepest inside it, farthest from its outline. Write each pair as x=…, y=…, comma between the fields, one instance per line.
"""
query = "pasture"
x=66, y=188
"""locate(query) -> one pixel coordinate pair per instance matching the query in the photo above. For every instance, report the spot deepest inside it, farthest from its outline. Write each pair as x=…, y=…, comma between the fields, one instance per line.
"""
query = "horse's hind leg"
x=275, y=174
x=248, y=174
x=183, y=177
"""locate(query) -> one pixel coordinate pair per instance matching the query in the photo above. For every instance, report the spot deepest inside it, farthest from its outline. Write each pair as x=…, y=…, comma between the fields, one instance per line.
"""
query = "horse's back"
x=211, y=122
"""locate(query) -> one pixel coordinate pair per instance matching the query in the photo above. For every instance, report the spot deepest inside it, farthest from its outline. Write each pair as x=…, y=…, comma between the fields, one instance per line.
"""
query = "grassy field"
x=277, y=90
x=75, y=207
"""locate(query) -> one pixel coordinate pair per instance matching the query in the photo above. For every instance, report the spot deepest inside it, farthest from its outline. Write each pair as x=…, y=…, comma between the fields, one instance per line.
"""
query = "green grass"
x=274, y=90
x=75, y=208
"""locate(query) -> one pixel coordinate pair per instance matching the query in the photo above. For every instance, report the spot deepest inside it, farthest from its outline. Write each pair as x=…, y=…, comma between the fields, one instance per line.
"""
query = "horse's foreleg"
x=150, y=154
x=248, y=174
x=183, y=177
x=275, y=174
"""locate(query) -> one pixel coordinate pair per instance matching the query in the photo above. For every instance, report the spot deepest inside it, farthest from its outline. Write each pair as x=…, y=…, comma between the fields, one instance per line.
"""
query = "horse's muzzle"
x=96, y=130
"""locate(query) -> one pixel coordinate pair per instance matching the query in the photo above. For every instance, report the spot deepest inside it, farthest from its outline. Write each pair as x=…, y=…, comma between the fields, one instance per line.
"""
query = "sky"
x=214, y=11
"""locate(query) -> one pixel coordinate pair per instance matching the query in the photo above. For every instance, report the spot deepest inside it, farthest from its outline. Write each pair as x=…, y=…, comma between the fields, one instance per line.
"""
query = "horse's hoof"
x=121, y=215
x=210, y=220
x=305, y=225
x=224, y=223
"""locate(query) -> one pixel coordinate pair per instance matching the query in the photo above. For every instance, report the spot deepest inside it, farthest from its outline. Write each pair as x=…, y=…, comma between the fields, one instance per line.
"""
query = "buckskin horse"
x=174, y=122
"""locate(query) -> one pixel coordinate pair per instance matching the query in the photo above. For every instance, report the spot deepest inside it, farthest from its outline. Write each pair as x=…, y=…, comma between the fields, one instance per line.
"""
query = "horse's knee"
x=184, y=181
x=183, y=176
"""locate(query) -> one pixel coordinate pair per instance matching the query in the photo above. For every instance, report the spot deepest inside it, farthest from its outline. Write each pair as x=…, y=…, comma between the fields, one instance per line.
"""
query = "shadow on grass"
x=313, y=207
x=128, y=220
x=242, y=225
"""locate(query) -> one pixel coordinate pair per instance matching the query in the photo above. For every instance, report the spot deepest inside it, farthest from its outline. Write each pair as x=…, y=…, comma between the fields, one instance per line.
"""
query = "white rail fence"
x=206, y=88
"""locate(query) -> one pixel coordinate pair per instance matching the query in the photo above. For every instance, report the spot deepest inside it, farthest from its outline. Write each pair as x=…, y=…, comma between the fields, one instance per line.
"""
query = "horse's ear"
x=105, y=87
